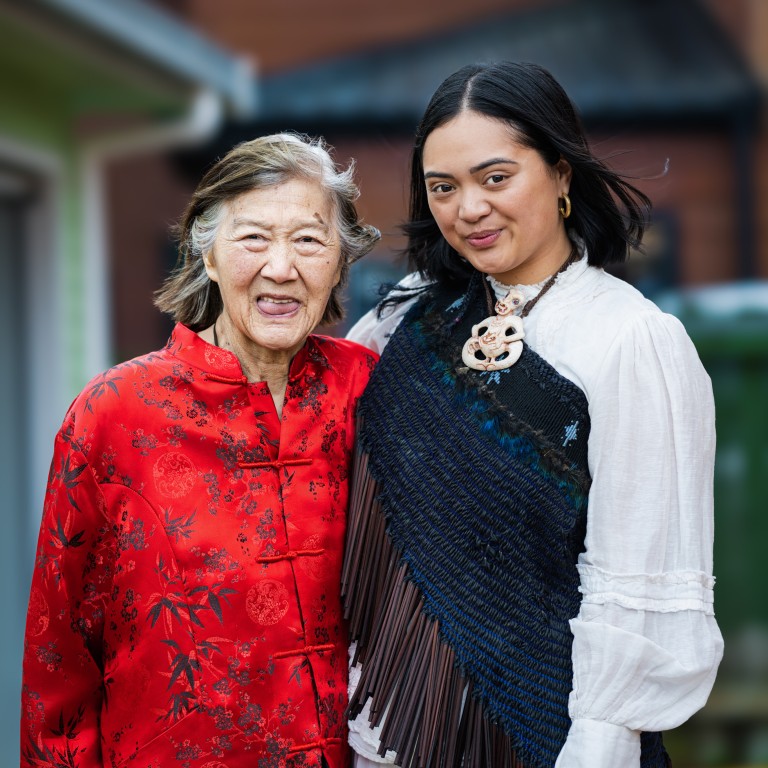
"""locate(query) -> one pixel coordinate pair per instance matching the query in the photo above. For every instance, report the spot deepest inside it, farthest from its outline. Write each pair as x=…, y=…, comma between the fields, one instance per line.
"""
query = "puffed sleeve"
x=62, y=673
x=646, y=645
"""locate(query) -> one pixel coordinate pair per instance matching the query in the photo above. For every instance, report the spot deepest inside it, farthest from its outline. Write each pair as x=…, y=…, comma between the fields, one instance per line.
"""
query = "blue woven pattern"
x=489, y=512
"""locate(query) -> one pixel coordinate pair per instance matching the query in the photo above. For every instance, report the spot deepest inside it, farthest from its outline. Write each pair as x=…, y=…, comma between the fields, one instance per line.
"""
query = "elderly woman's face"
x=276, y=259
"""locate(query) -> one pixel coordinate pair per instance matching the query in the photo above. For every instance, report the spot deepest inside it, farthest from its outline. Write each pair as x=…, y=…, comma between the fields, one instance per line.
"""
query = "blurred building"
x=82, y=83
x=660, y=85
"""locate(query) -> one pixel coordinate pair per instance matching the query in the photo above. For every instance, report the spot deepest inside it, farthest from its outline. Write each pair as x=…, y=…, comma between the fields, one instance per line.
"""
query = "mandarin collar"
x=223, y=365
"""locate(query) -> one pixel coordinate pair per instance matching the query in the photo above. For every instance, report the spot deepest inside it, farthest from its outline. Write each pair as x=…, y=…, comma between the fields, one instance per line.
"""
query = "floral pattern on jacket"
x=184, y=608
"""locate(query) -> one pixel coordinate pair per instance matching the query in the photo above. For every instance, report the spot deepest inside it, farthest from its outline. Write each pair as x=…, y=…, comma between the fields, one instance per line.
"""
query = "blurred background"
x=111, y=111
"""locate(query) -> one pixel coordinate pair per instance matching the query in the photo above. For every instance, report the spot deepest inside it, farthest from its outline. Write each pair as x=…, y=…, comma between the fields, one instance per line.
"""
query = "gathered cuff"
x=599, y=744
x=660, y=592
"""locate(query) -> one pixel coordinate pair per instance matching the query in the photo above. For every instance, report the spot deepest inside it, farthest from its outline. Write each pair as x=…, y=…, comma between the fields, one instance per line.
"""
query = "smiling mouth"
x=483, y=239
x=276, y=306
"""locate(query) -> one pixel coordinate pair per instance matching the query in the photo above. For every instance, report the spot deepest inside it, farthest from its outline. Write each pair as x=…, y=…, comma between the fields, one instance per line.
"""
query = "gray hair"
x=188, y=294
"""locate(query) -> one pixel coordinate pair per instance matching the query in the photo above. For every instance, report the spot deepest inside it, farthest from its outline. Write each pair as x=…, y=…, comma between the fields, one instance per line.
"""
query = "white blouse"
x=646, y=644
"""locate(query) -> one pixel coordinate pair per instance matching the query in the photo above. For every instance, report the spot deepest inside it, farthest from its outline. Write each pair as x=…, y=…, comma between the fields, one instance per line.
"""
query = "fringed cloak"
x=468, y=513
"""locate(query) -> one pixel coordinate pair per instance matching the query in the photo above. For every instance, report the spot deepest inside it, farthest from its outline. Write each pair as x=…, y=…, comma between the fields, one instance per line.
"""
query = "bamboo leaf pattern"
x=167, y=580
x=99, y=388
x=70, y=477
x=182, y=663
x=179, y=527
x=214, y=595
x=165, y=603
x=60, y=537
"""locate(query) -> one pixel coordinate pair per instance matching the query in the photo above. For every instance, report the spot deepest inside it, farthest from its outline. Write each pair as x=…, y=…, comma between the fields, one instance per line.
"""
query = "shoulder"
x=350, y=364
x=606, y=296
x=625, y=317
x=344, y=351
x=108, y=395
x=601, y=323
x=375, y=327
x=645, y=354
x=607, y=310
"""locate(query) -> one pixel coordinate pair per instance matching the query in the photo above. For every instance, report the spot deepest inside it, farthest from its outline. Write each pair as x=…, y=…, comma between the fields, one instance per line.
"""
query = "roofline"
x=156, y=36
x=370, y=68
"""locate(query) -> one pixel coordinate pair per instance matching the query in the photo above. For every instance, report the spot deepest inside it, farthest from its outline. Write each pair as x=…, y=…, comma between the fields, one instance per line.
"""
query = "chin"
x=282, y=343
x=490, y=267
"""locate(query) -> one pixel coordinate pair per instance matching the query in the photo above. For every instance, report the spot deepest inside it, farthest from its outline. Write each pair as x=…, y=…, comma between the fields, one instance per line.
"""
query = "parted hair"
x=188, y=294
x=609, y=214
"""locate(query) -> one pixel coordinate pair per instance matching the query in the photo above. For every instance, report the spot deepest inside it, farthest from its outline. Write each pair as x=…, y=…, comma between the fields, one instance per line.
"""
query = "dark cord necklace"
x=529, y=305
x=497, y=342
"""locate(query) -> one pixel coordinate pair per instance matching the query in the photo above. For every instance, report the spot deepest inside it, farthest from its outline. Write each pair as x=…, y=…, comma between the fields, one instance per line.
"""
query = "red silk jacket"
x=185, y=604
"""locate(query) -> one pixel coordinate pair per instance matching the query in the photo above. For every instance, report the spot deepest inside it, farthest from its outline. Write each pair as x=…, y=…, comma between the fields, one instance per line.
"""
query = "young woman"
x=529, y=567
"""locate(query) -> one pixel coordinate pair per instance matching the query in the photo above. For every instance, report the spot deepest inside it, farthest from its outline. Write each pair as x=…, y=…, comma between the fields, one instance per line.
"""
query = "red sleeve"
x=62, y=687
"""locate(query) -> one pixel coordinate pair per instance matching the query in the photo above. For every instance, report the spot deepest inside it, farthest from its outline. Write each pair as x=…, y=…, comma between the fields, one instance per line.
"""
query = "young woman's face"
x=276, y=259
x=495, y=200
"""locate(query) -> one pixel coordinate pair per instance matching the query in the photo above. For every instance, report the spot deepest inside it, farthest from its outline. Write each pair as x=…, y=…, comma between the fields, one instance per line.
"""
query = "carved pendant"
x=496, y=342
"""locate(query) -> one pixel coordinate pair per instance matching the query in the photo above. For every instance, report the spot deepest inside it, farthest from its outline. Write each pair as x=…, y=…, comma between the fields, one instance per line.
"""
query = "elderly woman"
x=185, y=601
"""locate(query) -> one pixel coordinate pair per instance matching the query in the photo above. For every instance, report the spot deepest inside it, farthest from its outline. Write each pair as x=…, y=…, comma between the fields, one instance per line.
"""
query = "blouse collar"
x=223, y=365
x=570, y=276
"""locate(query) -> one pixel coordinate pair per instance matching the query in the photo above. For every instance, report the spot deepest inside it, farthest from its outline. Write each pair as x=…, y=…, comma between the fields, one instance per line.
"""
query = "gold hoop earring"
x=565, y=206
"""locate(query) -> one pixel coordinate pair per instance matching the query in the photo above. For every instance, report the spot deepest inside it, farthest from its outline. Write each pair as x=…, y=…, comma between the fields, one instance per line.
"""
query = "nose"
x=473, y=205
x=280, y=266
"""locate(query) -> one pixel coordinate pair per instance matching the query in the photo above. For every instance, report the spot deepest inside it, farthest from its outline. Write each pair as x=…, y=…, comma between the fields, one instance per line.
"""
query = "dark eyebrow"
x=473, y=169
x=492, y=161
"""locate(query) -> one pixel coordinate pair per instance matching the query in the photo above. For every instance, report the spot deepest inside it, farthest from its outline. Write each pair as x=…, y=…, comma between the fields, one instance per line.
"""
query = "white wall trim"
x=43, y=323
x=205, y=114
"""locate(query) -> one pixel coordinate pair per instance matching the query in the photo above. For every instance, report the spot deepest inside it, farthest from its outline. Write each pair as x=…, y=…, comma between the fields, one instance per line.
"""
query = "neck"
x=258, y=364
x=541, y=266
x=572, y=256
